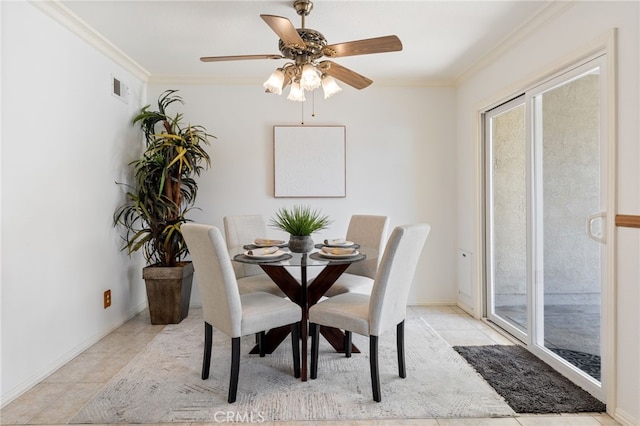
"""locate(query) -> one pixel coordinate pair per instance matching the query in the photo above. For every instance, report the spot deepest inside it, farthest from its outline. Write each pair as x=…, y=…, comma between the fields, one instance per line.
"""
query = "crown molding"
x=65, y=17
x=548, y=11
x=414, y=82
x=203, y=79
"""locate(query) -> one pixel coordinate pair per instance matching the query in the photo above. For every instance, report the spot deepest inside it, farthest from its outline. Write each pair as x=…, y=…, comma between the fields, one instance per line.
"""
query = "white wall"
x=560, y=38
x=65, y=141
x=400, y=162
x=59, y=252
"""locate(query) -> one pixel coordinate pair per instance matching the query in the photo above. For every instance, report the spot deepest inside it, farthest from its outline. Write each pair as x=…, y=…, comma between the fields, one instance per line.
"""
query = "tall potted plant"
x=163, y=192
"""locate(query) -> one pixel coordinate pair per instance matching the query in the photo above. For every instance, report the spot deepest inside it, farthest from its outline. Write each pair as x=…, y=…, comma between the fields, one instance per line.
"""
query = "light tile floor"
x=55, y=400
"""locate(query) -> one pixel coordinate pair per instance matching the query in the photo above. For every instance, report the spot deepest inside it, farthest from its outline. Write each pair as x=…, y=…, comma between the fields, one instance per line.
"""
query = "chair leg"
x=347, y=344
x=373, y=361
x=295, y=345
x=235, y=369
x=261, y=337
x=314, y=330
x=402, y=372
x=206, y=358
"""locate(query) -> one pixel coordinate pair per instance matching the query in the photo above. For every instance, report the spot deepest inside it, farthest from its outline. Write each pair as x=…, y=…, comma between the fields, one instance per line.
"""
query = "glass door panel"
x=568, y=182
x=507, y=213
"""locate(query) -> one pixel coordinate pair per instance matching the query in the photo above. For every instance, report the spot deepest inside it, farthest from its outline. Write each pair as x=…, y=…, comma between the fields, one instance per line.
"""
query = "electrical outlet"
x=107, y=298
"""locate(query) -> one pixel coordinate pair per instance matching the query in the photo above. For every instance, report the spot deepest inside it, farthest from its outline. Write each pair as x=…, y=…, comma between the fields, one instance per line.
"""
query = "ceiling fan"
x=305, y=47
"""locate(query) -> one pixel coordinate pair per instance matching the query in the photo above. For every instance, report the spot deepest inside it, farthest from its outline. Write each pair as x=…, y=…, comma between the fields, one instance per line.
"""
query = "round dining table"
x=303, y=291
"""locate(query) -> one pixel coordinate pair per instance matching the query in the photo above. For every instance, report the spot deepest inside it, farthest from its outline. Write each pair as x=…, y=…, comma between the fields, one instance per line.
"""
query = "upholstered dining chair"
x=382, y=310
x=240, y=230
x=368, y=231
x=226, y=309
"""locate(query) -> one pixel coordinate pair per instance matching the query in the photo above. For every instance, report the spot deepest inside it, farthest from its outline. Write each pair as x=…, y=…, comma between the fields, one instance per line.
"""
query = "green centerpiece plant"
x=163, y=192
x=300, y=222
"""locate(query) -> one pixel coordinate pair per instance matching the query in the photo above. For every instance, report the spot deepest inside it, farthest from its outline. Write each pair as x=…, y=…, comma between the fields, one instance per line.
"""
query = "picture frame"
x=309, y=161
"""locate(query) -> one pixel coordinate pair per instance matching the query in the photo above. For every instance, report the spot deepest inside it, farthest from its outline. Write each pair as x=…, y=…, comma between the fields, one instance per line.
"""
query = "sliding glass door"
x=545, y=220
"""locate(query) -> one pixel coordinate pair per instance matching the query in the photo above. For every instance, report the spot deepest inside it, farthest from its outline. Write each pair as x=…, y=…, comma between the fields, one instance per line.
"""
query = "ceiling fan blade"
x=345, y=75
x=284, y=29
x=363, y=47
x=238, y=58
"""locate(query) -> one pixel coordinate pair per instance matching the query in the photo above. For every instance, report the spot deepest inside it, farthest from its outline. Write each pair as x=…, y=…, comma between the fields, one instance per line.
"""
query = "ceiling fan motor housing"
x=314, y=44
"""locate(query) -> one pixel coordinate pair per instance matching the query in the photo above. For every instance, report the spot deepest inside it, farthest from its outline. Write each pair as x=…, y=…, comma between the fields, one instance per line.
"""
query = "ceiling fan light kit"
x=275, y=83
x=330, y=86
x=296, y=93
x=304, y=47
x=309, y=78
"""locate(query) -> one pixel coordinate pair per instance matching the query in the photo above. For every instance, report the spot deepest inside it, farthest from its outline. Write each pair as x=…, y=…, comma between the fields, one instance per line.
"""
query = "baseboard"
x=441, y=303
x=468, y=309
x=625, y=418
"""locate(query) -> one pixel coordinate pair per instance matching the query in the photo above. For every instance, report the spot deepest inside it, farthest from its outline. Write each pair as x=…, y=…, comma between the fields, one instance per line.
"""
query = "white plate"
x=343, y=244
x=264, y=256
x=339, y=256
x=273, y=243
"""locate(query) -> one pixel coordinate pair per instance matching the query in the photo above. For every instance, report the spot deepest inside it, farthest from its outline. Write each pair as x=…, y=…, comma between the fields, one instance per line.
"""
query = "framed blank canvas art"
x=309, y=161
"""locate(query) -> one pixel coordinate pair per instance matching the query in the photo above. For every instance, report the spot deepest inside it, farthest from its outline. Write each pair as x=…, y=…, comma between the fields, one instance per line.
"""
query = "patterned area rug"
x=162, y=383
x=527, y=383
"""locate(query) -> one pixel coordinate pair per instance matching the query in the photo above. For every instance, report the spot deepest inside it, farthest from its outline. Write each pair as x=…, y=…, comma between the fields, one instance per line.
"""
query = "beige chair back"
x=221, y=305
x=368, y=231
x=388, y=303
x=240, y=230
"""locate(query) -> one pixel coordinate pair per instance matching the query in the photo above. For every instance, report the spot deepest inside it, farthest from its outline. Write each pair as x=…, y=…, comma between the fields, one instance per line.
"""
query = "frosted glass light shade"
x=310, y=79
x=274, y=82
x=330, y=86
x=296, y=93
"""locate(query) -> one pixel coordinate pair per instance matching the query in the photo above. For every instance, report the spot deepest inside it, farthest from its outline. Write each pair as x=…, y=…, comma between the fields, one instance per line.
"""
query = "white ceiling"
x=441, y=39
